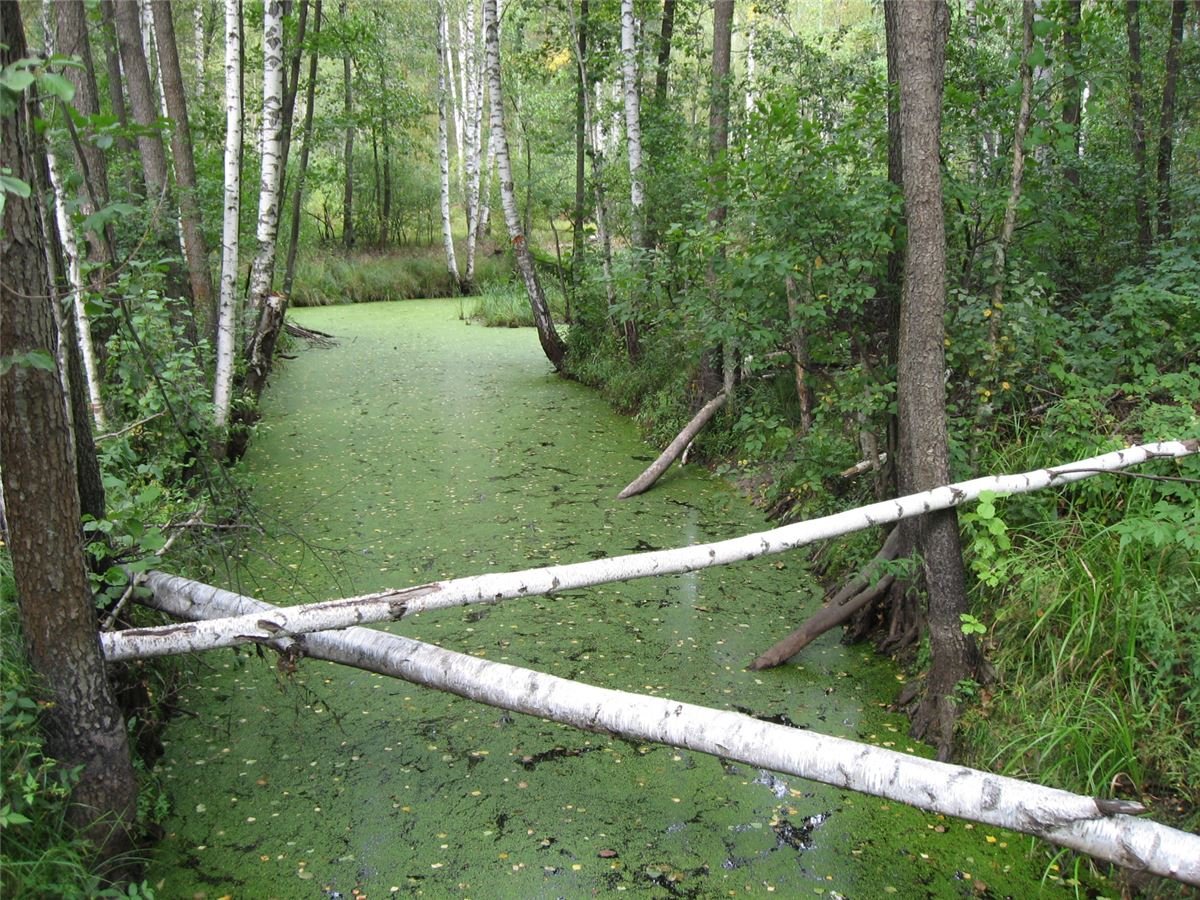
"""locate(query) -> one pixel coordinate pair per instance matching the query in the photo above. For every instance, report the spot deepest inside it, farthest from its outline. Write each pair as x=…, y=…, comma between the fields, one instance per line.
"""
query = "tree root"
x=644, y=481
x=863, y=590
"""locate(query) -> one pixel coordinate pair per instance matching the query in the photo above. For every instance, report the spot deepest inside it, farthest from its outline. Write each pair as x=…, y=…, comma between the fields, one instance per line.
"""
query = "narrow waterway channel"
x=423, y=448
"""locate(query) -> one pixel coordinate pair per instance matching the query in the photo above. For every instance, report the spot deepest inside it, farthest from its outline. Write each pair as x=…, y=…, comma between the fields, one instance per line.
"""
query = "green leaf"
x=1037, y=57
x=1042, y=27
x=15, y=80
x=11, y=185
x=34, y=359
x=58, y=86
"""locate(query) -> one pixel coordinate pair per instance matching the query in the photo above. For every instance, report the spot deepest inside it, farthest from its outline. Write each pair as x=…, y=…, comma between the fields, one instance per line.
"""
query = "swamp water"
x=422, y=448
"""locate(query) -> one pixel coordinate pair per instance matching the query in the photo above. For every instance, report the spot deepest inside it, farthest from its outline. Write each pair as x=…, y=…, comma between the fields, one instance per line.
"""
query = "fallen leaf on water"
x=607, y=854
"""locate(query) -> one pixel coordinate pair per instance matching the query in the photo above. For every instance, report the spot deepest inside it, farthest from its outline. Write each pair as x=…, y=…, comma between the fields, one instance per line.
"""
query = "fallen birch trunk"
x=655, y=470
x=490, y=588
x=1099, y=828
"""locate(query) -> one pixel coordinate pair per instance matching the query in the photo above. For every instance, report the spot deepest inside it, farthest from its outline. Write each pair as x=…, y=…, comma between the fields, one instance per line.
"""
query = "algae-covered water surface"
x=422, y=448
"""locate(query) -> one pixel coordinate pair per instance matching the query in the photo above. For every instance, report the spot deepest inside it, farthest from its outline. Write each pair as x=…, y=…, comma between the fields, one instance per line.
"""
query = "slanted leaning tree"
x=921, y=390
x=552, y=343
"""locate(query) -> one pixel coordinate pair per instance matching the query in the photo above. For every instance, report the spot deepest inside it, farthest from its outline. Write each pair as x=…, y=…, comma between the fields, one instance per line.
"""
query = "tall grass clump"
x=503, y=303
x=1094, y=630
x=325, y=278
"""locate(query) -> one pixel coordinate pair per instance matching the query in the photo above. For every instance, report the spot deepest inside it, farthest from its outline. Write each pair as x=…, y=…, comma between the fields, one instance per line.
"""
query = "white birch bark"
x=443, y=148
x=1100, y=828
x=485, y=187
x=198, y=48
x=552, y=345
x=227, y=311
x=456, y=103
x=473, y=125
x=633, y=122
x=270, y=141
x=83, y=322
x=491, y=588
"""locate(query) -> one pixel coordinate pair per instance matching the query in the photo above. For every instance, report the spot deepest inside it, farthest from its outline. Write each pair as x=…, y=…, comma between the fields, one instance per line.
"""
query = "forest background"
x=708, y=197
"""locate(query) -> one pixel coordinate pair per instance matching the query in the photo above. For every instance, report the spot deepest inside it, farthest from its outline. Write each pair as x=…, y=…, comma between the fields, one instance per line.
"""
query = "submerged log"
x=490, y=588
x=1097, y=827
x=655, y=470
x=865, y=588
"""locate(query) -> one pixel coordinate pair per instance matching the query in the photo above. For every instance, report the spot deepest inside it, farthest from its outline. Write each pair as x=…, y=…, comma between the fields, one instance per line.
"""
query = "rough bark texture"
x=552, y=344
x=82, y=723
x=141, y=97
x=195, y=249
x=491, y=588
x=662, y=74
x=921, y=389
x=1104, y=828
x=1166, y=119
x=646, y=480
x=112, y=62
x=71, y=39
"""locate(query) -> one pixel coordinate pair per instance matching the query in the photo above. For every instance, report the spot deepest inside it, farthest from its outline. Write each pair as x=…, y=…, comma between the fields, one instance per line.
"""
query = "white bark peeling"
x=489, y=588
x=83, y=322
x=633, y=119
x=227, y=312
x=271, y=145
x=1068, y=820
x=443, y=147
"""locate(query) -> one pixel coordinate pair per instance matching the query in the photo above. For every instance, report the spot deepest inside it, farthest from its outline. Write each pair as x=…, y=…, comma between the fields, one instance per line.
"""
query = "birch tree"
x=348, y=152
x=227, y=315
x=270, y=144
x=552, y=344
x=443, y=145
x=395, y=604
x=1103, y=828
x=472, y=141
x=633, y=143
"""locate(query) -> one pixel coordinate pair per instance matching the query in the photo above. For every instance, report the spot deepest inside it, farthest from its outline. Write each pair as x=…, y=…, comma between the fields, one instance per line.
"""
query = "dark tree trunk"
x=889, y=477
x=1166, y=119
x=291, y=84
x=112, y=62
x=662, y=75
x=298, y=195
x=153, y=157
x=72, y=40
x=1072, y=86
x=348, y=153
x=1137, y=109
x=204, y=305
x=82, y=723
x=924, y=445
